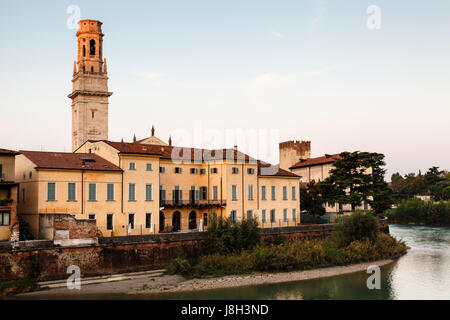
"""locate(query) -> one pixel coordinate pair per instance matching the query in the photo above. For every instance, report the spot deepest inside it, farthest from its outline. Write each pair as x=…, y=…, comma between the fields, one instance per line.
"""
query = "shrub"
x=421, y=212
x=180, y=265
x=223, y=236
x=358, y=226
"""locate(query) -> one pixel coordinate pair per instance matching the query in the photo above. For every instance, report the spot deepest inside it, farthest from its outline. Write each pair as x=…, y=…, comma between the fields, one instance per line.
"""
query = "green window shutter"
x=294, y=218
x=110, y=192
x=71, y=191
x=233, y=193
x=263, y=192
x=293, y=193
x=92, y=192
x=131, y=192
x=264, y=216
x=51, y=188
x=284, y=193
x=148, y=192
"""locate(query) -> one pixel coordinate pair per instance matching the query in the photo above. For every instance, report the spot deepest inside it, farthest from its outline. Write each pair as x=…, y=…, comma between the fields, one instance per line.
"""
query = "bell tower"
x=90, y=86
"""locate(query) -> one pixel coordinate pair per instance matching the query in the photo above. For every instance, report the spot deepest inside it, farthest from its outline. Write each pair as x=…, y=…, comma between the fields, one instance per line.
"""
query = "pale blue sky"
x=310, y=69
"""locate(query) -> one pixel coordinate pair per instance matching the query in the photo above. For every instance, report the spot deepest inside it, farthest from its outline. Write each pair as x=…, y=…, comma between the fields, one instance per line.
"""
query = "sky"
x=331, y=72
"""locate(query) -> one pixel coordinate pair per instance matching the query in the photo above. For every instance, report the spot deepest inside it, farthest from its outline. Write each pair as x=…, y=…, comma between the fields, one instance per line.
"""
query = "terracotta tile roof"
x=316, y=161
x=8, y=152
x=69, y=161
x=268, y=170
x=179, y=153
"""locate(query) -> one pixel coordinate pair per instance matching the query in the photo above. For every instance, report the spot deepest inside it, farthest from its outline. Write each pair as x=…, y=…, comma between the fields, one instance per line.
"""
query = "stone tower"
x=291, y=152
x=90, y=86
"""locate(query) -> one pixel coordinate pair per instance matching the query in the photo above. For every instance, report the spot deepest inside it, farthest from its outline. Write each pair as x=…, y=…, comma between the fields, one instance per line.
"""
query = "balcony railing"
x=192, y=203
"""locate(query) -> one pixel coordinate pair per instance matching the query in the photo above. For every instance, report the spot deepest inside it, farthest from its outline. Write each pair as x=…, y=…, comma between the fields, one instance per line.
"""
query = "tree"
x=382, y=196
x=446, y=193
x=358, y=177
x=311, y=199
x=348, y=183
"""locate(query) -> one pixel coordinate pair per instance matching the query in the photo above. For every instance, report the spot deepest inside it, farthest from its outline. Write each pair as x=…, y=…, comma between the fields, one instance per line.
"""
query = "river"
x=423, y=273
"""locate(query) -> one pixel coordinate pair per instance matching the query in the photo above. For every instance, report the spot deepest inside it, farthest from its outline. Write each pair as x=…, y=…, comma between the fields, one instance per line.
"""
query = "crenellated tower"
x=291, y=152
x=90, y=86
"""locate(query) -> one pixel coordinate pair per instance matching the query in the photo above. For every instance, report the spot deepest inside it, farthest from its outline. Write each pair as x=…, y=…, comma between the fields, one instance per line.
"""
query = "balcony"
x=195, y=204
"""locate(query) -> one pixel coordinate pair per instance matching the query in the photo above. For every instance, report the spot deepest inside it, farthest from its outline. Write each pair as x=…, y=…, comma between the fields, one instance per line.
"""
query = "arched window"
x=84, y=51
x=92, y=69
x=92, y=47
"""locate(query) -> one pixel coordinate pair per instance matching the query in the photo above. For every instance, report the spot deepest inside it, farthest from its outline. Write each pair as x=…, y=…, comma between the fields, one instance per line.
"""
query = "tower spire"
x=134, y=138
x=170, y=140
x=153, y=130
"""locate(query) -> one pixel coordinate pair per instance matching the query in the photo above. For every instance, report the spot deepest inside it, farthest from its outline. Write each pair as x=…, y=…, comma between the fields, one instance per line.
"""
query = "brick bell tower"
x=90, y=86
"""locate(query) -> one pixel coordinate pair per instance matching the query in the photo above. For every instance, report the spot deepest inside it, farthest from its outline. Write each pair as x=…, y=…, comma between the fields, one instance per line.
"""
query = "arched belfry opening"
x=92, y=47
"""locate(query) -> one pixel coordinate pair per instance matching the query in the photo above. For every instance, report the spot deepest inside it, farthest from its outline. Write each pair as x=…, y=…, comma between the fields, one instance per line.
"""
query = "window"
x=203, y=193
x=71, y=191
x=91, y=217
x=202, y=171
x=4, y=218
x=109, y=221
x=92, y=192
x=23, y=195
x=250, y=170
x=84, y=51
x=233, y=193
x=148, y=220
x=272, y=216
x=285, y=215
x=284, y=193
x=177, y=195
x=193, y=195
x=148, y=192
x=249, y=214
x=293, y=193
x=110, y=192
x=51, y=191
x=235, y=170
x=194, y=171
x=294, y=215
x=250, y=192
x=162, y=169
x=132, y=166
x=149, y=167
x=263, y=216
x=215, y=193
x=92, y=47
x=205, y=219
x=162, y=195
x=273, y=192
x=178, y=170
x=233, y=216
x=263, y=192
x=131, y=192
x=131, y=220
x=31, y=174
x=214, y=170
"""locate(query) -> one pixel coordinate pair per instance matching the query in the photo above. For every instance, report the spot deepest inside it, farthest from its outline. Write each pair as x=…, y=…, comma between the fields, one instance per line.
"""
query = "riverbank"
x=145, y=286
x=261, y=278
